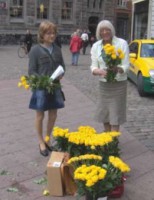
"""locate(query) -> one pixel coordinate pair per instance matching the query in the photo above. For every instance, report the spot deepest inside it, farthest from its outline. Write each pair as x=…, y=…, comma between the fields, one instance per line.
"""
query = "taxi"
x=141, y=70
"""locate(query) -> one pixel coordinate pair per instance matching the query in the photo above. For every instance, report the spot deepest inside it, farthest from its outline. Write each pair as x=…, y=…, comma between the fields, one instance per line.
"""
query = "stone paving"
x=19, y=153
x=140, y=115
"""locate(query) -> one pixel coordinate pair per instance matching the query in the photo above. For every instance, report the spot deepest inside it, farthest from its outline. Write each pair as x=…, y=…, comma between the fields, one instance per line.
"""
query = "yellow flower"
x=47, y=139
x=118, y=163
x=46, y=192
x=24, y=82
x=89, y=183
x=27, y=86
x=121, y=55
x=19, y=84
x=102, y=174
x=113, y=56
x=59, y=132
x=119, y=51
x=114, y=133
x=23, y=78
x=92, y=147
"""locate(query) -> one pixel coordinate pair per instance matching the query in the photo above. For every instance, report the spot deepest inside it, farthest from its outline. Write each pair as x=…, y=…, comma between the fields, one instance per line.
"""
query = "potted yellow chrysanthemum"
x=86, y=140
x=95, y=180
x=112, y=57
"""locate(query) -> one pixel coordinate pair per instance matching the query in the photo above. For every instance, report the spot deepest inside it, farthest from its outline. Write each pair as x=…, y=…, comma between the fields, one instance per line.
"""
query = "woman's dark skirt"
x=111, y=107
x=41, y=100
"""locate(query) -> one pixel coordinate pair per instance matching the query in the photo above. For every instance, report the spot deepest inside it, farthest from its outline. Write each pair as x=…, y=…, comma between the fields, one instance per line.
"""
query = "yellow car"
x=141, y=70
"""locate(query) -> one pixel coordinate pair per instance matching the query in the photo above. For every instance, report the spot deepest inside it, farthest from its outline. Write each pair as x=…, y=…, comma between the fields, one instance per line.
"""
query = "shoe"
x=50, y=148
x=44, y=152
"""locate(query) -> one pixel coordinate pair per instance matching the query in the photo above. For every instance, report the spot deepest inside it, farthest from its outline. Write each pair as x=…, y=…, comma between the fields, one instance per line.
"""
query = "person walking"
x=75, y=46
x=28, y=41
x=111, y=105
x=85, y=41
x=44, y=59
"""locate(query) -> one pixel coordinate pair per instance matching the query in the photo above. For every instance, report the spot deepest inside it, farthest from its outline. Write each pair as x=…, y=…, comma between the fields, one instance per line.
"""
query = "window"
x=16, y=8
x=67, y=8
x=42, y=9
x=122, y=3
x=94, y=3
x=88, y=3
x=100, y=3
x=133, y=48
x=147, y=50
x=3, y=9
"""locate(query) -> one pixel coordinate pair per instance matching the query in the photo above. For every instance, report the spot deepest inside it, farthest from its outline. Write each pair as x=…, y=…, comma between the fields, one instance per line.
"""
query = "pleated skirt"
x=111, y=105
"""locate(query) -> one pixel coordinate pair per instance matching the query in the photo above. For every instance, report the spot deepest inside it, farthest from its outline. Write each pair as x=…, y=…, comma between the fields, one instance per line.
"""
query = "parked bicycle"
x=22, y=51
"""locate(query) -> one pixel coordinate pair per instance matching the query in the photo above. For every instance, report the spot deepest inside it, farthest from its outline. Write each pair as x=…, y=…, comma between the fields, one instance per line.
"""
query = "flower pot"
x=117, y=192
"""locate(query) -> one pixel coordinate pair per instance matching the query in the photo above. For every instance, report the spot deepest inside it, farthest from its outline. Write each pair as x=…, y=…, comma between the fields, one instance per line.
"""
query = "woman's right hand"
x=100, y=72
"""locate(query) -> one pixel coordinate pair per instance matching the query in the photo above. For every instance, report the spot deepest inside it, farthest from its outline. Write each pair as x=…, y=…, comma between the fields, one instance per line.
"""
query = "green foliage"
x=42, y=82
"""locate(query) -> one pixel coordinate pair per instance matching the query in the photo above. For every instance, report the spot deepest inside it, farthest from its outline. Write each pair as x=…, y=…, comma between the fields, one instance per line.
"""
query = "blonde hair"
x=44, y=27
x=104, y=24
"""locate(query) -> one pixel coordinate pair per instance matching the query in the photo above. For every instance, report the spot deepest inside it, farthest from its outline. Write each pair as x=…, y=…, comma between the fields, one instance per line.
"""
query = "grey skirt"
x=111, y=106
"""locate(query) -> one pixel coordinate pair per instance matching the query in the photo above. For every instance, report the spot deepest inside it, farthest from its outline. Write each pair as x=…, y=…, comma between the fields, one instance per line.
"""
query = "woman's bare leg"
x=52, y=116
x=107, y=127
x=39, y=127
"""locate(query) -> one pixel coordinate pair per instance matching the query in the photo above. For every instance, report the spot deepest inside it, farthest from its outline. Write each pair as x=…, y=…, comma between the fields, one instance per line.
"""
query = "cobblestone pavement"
x=140, y=122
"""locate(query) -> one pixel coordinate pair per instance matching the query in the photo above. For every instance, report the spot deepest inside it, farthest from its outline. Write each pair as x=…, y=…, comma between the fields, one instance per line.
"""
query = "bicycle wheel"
x=21, y=52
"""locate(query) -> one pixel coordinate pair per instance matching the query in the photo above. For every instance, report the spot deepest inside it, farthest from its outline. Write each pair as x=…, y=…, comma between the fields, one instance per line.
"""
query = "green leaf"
x=12, y=189
x=33, y=164
x=41, y=181
x=4, y=172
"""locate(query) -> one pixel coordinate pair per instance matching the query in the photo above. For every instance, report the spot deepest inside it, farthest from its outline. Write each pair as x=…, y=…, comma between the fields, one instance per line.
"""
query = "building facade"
x=142, y=19
x=123, y=14
x=18, y=15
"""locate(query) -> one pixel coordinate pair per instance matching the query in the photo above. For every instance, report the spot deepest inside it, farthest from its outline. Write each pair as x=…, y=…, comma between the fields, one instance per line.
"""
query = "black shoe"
x=50, y=148
x=44, y=152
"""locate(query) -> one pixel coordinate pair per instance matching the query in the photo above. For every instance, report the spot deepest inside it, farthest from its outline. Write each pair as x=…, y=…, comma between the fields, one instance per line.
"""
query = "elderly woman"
x=111, y=106
x=44, y=59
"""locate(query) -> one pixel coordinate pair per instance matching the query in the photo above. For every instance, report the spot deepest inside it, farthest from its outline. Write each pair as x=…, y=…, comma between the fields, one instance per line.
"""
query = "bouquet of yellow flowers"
x=38, y=82
x=112, y=58
x=94, y=179
x=42, y=82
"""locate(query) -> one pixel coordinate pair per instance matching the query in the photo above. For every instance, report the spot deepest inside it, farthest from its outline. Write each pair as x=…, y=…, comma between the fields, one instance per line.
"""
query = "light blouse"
x=98, y=62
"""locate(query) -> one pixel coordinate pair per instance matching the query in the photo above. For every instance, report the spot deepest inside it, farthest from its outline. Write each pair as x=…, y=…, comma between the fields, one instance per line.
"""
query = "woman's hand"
x=116, y=69
x=100, y=72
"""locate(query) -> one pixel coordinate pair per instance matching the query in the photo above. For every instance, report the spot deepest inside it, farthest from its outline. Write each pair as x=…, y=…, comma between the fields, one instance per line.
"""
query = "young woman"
x=111, y=107
x=44, y=58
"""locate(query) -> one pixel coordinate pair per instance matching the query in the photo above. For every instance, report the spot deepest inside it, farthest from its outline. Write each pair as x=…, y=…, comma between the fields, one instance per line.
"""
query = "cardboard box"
x=54, y=175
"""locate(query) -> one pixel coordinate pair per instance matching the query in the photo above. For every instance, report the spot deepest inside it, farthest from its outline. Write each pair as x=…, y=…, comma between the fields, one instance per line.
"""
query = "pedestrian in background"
x=111, y=106
x=75, y=46
x=28, y=40
x=44, y=59
x=85, y=41
x=92, y=40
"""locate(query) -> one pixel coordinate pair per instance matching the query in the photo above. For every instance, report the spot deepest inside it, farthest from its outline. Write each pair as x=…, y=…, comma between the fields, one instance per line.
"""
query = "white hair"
x=104, y=24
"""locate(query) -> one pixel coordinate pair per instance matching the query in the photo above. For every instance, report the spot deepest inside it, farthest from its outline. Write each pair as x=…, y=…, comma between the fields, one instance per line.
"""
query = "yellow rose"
x=27, y=86
x=23, y=78
x=19, y=84
x=113, y=56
